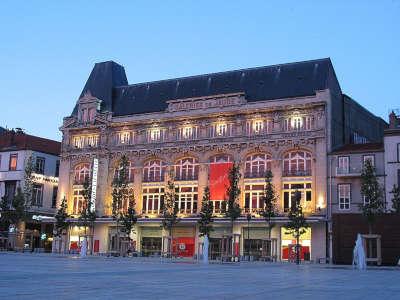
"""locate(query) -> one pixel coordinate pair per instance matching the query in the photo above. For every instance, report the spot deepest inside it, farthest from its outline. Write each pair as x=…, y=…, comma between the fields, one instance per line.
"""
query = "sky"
x=48, y=48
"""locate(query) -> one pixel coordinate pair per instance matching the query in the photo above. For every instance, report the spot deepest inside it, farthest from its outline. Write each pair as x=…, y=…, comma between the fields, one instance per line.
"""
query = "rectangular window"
x=57, y=172
x=78, y=201
x=309, y=122
x=13, y=162
x=289, y=191
x=124, y=138
x=366, y=200
x=39, y=167
x=344, y=196
x=343, y=164
x=37, y=195
x=54, y=197
x=371, y=158
x=152, y=200
x=253, y=198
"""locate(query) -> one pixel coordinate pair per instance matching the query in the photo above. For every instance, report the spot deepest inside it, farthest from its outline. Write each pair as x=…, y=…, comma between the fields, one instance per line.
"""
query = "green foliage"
x=14, y=212
x=121, y=192
x=269, y=200
x=396, y=199
x=28, y=181
x=231, y=206
x=61, y=217
x=372, y=191
x=206, y=214
x=87, y=215
x=129, y=218
x=170, y=207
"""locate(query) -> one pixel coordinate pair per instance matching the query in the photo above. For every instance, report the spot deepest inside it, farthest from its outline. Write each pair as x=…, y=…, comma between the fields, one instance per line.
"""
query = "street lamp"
x=248, y=234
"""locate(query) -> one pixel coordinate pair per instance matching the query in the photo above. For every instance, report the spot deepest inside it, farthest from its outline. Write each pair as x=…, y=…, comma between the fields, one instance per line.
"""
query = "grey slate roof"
x=108, y=82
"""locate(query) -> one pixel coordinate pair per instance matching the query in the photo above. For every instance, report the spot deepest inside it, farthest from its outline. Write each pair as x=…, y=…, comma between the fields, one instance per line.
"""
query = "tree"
x=396, y=199
x=206, y=214
x=297, y=222
x=61, y=219
x=122, y=194
x=129, y=218
x=269, y=199
x=28, y=182
x=373, y=196
x=231, y=206
x=170, y=208
x=88, y=214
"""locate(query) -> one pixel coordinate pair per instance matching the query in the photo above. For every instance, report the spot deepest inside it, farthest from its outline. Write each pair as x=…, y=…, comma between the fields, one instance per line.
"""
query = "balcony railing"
x=157, y=178
x=254, y=174
x=183, y=177
x=290, y=173
x=348, y=171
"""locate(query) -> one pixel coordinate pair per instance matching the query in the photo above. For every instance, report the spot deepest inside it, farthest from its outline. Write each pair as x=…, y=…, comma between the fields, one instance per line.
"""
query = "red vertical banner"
x=96, y=246
x=219, y=180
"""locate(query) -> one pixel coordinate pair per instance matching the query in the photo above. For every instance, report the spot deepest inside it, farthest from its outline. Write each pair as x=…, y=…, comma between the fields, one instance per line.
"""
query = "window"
x=155, y=135
x=187, y=133
x=78, y=142
x=366, y=200
x=153, y=200
x=258, y=126
x=57, y=172
x=39, y=167
x=221, y=130
x=296, y=123
x=85, y=141
x=344, y=196
x=92, y=140
x=343, y=164
x=37, y=194
x=54, y=197
x=289, y=190
x=153, y=171
x=78, y=201
x=13, y=162
x=297, y=163
x=371, y=158
x=309, y=122
x=187, y=199
x=186, y=169
x=92, y=114
x=130, y=169
x=124, y=138
x=253, y=202
x=257, y=165
x=221, y=158
x=82, y=173
x=287, y=125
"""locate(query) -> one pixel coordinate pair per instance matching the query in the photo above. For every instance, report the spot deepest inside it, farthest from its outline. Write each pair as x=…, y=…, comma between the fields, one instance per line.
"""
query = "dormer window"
x=88, y=107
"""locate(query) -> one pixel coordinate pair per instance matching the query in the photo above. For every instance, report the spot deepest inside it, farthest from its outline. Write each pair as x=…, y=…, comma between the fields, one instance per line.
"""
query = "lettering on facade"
x=205, y=103
x=94, y=184
x=39, y=178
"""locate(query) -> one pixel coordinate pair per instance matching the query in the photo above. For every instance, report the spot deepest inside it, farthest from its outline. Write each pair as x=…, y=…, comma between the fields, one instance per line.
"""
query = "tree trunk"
x=297, y=248
x=369, y=254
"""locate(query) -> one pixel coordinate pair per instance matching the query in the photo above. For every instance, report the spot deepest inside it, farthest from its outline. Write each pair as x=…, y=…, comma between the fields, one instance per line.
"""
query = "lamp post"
x=248, y=234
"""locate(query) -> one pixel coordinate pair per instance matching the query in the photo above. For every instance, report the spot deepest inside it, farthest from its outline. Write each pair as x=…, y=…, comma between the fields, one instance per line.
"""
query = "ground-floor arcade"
x=148, y=238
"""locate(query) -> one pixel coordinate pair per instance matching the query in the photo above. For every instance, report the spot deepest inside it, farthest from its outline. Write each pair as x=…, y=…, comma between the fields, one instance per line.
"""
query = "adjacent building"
x=16, y=148
x=285, y=118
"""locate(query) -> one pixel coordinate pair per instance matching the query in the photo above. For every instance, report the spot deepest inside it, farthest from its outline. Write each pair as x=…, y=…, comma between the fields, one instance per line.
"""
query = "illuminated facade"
x=283, y=118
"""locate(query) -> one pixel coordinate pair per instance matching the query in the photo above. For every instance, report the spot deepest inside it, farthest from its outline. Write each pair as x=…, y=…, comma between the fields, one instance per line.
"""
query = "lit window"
x=124, y=138
x=155, y=135
x=258, y=126
x=13, y=162
x=186, y=169
x=153, y=200
x=81, y=173
x=187, y=132
x=253, y=198
x=297, y=163
x=78, y=201
x=296, y=123
x=153, y=171
x=221, y=129
x=289, y=192
x=187, y=199
x=344, y=196
x=92, y=140
x=78, y=141
x=257, y=165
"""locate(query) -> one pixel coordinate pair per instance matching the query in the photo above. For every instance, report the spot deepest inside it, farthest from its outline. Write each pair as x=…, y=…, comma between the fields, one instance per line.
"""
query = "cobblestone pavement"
x=45, y=276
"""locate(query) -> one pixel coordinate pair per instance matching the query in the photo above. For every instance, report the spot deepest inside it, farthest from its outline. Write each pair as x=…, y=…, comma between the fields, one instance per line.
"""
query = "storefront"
x=253, y=241
x=215, y=241
x=151, y=240
x=288, y=245
x=184, y=241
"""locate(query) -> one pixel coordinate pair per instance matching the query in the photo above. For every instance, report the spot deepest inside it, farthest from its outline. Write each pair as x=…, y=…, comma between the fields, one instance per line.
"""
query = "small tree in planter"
x=61, y=224
x=129, y=218
x=269, y=201
x=396, y=199
x=297, y=222
x=206, y=214
x=87, y=215
x=121, y=192
x=170, y=209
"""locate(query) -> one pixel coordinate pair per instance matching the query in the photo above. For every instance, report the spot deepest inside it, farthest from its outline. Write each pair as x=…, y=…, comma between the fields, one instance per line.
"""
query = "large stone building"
x=16, y=148
x=285, y=118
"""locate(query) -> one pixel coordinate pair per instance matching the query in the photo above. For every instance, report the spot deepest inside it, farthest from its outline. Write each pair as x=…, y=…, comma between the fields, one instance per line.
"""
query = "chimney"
x=393, y=120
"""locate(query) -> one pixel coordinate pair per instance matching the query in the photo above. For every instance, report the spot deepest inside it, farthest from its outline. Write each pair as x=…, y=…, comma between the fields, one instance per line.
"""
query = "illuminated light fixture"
x=321, y=202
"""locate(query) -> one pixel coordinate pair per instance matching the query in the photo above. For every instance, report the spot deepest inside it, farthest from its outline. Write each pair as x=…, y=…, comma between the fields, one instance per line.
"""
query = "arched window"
x=187, y=169
x=297, y=163
x=81, y=173
x=130, y=170
x=153, y=171
x=257, y=165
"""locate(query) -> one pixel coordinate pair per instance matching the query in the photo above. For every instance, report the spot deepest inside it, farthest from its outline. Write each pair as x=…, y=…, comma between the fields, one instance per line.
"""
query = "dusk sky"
x=47, y=51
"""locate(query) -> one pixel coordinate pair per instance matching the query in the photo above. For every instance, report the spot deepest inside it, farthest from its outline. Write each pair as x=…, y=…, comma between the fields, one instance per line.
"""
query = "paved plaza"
x=41, y=276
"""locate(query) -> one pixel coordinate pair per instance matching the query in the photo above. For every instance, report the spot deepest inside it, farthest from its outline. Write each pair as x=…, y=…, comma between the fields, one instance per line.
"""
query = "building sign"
x=94, y=184
x=40, y=178
x=219, y=180
x=219, y=101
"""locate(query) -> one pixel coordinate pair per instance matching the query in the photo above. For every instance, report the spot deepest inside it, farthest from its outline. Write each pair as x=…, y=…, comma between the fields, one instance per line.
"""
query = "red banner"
x=219, y=180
